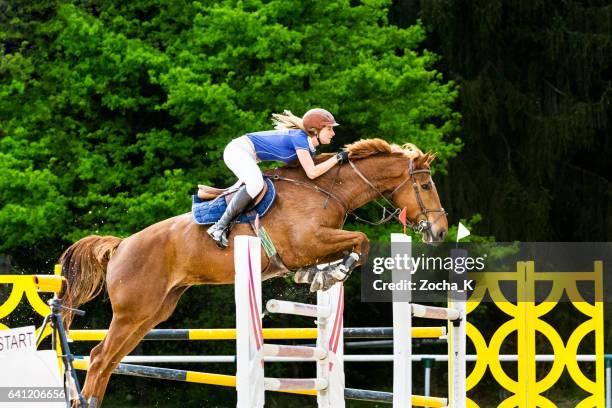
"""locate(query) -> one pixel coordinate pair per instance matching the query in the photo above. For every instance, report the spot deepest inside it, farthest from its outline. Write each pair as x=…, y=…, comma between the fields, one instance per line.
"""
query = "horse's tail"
x=84, y=267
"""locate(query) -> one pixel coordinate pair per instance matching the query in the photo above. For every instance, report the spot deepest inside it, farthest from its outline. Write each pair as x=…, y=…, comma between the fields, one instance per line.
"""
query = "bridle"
x=417, y=224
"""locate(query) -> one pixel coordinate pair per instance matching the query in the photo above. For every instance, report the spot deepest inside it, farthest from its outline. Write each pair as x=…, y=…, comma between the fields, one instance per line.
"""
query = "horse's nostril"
x=442, y=234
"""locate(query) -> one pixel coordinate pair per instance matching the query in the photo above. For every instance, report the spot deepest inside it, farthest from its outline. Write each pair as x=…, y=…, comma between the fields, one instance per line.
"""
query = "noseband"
x=417, y=224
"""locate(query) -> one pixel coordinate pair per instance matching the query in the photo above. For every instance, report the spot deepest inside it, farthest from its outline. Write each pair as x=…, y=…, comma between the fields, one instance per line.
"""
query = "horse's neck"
x=353, y=190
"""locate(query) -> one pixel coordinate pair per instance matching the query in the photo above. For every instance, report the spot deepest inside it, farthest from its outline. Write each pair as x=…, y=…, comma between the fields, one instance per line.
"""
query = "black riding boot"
x=218, y=231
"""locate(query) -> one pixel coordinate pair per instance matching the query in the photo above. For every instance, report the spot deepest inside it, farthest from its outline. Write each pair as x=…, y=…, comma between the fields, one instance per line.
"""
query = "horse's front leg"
x=335, y=241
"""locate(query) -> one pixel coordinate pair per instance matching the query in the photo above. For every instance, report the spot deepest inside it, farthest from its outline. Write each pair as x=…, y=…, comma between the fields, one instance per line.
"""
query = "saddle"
x=206, y=193
x=209, y=203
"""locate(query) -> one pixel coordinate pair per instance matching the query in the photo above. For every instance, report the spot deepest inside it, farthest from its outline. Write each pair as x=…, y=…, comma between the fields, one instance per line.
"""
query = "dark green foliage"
x=536, y=93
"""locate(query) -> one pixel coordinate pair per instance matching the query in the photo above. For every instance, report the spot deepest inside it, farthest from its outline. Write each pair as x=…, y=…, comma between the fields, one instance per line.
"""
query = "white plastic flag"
x=462, y=232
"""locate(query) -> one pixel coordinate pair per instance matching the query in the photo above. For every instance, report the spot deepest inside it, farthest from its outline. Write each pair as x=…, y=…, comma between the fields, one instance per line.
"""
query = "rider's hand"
x=342, y=156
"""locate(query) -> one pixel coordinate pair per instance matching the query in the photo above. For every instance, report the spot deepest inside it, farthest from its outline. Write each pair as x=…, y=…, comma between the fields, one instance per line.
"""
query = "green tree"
x=110, y=111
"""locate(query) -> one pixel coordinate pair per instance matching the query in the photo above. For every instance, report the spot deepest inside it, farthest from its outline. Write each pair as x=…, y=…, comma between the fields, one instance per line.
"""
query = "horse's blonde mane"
x=368, y=147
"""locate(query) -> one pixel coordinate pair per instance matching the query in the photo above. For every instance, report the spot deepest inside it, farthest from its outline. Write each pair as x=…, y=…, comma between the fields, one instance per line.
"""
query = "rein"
x=417, y=225
x=312, y=186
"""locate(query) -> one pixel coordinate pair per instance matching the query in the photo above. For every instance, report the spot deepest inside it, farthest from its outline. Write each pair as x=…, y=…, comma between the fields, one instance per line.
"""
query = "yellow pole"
x=48, y=283
x=269, y=334
x=230, y=381
x=432, y=402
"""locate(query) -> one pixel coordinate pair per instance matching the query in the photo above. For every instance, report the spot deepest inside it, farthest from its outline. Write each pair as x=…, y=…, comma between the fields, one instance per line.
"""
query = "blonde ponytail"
x=287, y=120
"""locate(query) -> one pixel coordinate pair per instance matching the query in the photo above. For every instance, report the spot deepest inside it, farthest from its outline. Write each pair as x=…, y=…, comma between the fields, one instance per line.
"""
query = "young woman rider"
x=294, y=138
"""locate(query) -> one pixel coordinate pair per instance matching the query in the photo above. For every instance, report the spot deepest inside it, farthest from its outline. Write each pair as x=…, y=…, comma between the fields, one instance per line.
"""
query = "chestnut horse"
x=147, y=273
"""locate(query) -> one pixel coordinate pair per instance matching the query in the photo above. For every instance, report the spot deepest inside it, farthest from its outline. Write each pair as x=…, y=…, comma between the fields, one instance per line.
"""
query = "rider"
x=294, y=138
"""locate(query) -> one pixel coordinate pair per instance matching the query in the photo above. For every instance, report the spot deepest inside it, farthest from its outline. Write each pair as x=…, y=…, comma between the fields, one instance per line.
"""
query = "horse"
x=146, y=273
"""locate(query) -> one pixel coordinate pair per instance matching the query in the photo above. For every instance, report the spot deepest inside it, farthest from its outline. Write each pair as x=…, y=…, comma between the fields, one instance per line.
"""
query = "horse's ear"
x=424, y=160
x=430, y=157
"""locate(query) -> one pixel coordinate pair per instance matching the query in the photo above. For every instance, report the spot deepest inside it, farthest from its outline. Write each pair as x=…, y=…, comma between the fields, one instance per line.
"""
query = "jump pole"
x=251, y=350
x=300, y=333
x=457, y=393
x=249, y=346
x=403, y=311
x=402, y=327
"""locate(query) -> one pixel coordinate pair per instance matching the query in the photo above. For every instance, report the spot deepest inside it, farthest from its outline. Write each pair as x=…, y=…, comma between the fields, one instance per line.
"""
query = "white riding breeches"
x=240, y=157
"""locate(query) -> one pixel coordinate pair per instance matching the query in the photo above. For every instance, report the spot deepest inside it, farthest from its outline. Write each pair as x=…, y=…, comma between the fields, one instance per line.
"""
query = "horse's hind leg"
x=122, y=327
x=128, y=343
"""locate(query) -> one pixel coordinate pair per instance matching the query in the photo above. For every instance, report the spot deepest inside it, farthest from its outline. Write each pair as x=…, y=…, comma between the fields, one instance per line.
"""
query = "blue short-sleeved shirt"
x=279, y=145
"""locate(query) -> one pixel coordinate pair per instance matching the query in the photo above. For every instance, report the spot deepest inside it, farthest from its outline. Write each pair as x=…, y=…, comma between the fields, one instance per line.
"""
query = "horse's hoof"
x=317, y=282
x=93, y=402
x=326, y=278
x=304, y=275
x=323, y=280
x=80, y=401
x=339, y=272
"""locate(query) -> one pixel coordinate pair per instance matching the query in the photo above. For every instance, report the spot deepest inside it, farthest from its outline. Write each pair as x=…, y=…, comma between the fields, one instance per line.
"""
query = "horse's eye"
x=426, y=186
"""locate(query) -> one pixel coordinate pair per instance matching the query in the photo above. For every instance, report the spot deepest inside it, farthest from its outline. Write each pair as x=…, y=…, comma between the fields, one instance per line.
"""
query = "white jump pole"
x=457, y=341
x=403, y=311
x=402, y=327
x=249, y=345
x=250, y=349
x=608, y=383
x=330, y=336
x=295, y=308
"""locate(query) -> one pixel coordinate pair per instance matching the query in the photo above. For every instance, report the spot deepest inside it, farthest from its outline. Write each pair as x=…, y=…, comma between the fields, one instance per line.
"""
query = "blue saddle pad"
x=209, y=212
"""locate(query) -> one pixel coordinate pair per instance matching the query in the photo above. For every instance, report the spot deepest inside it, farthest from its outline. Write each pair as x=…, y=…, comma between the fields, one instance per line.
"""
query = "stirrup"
x=219, y=235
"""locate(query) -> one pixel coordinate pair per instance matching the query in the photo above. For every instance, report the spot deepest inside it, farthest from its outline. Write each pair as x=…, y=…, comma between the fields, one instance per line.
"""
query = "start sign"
x=18, y=340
